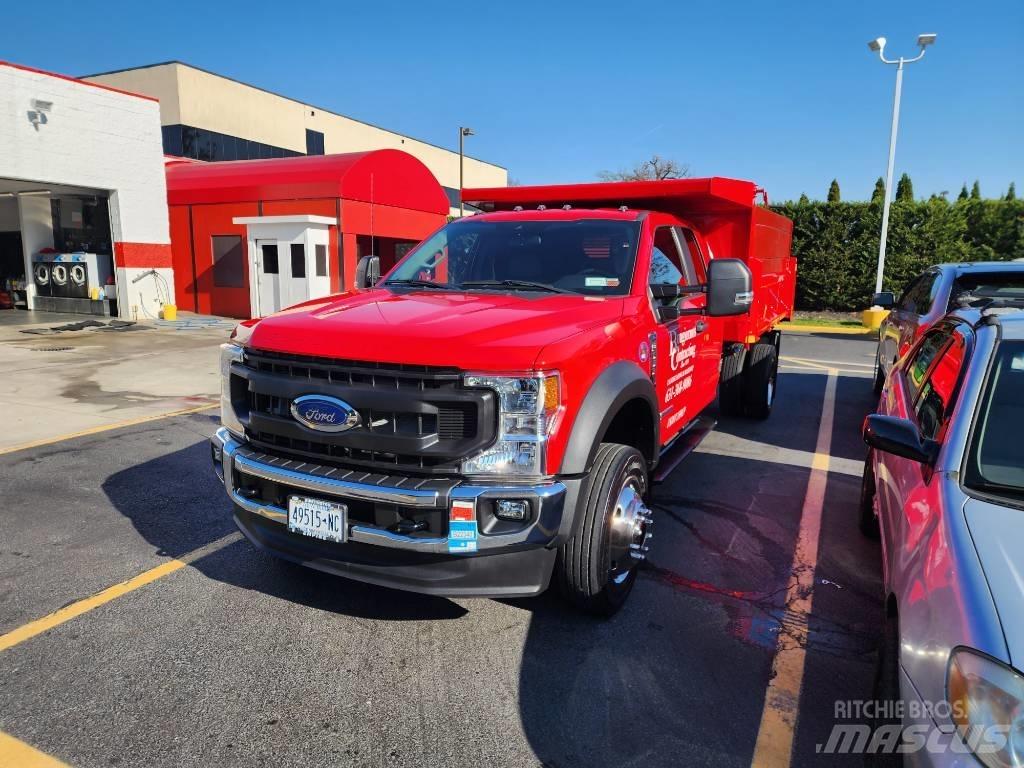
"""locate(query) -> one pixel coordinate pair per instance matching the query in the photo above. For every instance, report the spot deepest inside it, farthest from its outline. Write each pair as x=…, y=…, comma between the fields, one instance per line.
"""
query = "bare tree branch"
x=657, y=168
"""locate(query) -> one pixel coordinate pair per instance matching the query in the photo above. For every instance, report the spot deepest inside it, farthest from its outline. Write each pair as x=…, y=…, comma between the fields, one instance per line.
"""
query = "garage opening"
x=56, y=250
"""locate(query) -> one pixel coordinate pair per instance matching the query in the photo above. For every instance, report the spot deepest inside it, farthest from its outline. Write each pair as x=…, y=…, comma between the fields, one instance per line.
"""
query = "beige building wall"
x=194, y=97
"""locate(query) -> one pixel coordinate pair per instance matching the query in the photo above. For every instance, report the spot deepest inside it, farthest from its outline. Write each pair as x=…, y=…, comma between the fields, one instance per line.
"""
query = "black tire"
x=879, y=381
x=759, y=380
x=588, y=578
x=886, y=692
x=730, y=384
x=866, y=507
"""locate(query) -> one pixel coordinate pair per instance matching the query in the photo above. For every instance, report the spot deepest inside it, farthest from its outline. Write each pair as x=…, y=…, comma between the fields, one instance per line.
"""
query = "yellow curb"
x=841, y=329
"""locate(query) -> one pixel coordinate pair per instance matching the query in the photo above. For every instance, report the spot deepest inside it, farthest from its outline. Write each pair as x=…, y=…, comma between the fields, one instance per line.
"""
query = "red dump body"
x=721, y=211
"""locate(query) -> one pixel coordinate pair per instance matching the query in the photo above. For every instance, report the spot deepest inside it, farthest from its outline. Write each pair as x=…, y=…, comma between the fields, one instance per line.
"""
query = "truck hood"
x=997, y=532
x=483, y=331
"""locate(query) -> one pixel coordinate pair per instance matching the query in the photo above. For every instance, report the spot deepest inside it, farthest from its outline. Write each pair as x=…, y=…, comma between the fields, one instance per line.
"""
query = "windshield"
x=593, y=257
x=987, y=285
x=994, y=463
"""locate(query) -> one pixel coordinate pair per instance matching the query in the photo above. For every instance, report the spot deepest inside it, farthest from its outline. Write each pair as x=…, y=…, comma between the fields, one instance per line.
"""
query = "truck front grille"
x=414, y=418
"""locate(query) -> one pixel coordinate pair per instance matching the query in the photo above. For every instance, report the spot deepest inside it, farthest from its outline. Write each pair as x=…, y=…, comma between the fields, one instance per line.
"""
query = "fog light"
x=512, y=509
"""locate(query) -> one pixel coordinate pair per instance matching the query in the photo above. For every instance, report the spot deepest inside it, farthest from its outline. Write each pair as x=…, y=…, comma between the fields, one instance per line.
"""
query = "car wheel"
x=866, y=505
x=879, y=376
x=886, y=692
x=730, y=384
x=597, y=566
x=759, y=380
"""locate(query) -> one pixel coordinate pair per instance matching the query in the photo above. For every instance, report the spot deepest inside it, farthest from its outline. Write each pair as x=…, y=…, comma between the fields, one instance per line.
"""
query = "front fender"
x=617, y=385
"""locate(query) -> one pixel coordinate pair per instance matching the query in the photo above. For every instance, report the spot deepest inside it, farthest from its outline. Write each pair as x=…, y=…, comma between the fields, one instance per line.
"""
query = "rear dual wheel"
x=759, y=379
x=597, y=566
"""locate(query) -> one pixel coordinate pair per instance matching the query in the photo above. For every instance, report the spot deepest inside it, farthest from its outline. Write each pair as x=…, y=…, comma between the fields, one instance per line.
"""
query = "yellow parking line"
x=849, y=330
x=837, y=363
x=105, y=428
x=68, y=612
x=18, y=753
x=774, y=747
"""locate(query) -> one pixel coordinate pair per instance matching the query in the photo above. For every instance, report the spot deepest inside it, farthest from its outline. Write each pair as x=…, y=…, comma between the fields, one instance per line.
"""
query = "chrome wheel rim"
x=630, y=534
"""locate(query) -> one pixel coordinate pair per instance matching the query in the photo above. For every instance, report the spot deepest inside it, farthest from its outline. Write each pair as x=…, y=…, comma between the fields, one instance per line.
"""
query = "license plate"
x=317, y=518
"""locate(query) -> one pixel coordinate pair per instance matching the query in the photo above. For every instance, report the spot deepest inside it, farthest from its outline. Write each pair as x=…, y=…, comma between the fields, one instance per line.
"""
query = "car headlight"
x=528, y=410
x=987, y=705
x=229, y=353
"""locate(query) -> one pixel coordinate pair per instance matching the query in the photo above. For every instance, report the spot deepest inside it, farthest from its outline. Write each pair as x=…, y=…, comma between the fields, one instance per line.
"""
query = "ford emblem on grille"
x=325, y=414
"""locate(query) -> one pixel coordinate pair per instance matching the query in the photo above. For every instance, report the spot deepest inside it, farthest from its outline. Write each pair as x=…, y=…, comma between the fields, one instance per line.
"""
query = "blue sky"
x=783, y=93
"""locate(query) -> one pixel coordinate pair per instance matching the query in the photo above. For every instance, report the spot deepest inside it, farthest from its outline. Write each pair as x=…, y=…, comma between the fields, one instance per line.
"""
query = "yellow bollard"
x=170, y=312
x=872, y=318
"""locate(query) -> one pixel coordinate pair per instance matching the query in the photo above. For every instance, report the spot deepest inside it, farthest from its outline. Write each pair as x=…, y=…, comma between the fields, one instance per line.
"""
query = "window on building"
x=268, y=251
x=314, y=142
x=298, y=260
x=228, y=271
x=321, y=261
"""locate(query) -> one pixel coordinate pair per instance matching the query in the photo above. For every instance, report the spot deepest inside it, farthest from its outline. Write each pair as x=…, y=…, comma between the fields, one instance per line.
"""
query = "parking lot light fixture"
x=463, y=133
x=878, y=46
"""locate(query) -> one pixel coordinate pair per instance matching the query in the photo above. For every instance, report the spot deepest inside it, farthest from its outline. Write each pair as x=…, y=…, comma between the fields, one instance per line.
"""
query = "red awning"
x=384, y=177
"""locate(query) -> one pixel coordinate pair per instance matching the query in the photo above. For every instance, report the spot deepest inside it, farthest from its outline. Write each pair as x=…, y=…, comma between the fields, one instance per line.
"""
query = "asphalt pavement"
x=233, y=658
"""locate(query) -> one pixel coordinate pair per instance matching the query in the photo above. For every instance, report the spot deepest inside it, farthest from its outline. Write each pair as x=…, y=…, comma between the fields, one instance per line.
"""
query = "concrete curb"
x=845, y=330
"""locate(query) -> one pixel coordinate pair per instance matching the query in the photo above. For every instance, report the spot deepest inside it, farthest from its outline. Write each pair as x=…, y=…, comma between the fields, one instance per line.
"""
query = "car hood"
x=997, y=532
x=483, y=331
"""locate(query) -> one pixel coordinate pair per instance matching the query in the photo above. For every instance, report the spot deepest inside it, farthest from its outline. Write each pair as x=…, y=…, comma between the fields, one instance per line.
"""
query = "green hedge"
x=837, y=244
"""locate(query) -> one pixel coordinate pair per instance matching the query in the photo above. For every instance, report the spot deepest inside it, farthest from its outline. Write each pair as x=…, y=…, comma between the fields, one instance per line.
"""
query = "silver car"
x=944, y=487
x=933, y=293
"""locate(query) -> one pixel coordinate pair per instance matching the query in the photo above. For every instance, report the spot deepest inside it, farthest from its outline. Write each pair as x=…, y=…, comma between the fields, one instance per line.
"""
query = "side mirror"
x=885, y=300
x=898, y=437
x=367, y=272
x=668, y=313
x=729, y=291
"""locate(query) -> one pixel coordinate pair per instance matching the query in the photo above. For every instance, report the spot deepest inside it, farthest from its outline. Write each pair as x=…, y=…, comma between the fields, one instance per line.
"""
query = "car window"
x=693, y=266
x=994, y=459
x=922, y=358
x=940, y=388
x=987, y=285
x=665, y=262
x=919, y=297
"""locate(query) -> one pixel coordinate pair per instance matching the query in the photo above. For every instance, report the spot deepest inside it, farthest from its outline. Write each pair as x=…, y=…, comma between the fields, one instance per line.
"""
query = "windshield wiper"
x=527, y=285
x=420, y=284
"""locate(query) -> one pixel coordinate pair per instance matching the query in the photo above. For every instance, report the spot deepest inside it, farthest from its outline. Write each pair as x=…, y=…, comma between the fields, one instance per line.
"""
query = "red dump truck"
x=492, y=413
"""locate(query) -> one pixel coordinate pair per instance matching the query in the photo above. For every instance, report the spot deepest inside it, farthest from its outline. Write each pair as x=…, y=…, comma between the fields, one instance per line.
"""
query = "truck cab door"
x=684, y=375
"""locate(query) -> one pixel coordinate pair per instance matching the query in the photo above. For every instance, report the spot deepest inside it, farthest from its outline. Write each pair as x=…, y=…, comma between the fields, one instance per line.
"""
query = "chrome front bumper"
x=231, y=456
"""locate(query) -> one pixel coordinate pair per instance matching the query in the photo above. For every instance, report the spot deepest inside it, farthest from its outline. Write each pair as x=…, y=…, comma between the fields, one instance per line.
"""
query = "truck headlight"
x=229, y=353
x=528, y=410
x=987, y=704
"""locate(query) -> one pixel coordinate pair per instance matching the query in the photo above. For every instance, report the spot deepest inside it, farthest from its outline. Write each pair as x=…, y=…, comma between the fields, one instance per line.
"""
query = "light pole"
x=878, y=45
x=463, y=133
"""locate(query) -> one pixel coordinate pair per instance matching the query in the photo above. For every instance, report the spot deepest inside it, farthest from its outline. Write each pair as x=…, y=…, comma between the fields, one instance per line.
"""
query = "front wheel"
x=868, y=518
x=597, y=566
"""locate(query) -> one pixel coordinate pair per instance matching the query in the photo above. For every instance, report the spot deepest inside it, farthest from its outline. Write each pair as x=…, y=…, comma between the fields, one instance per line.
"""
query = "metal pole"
x=462, y=138
x=888, y=175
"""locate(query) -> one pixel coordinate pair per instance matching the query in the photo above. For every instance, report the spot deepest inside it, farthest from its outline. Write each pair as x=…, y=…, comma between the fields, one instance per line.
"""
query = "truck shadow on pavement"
x=184, y=507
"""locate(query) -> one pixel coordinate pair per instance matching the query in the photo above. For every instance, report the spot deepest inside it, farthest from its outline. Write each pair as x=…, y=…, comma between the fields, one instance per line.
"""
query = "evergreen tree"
x=803, y=200
x=878, y=196
x=976, y=191
x=904, y=190
x=833, y=192
x=1011, y=193
x=963, y=192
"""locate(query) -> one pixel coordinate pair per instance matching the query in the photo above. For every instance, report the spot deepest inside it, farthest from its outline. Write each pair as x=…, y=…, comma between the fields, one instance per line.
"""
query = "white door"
x=268, y=277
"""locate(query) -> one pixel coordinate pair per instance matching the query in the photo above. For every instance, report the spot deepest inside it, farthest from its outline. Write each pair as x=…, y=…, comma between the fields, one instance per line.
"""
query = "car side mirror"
x=367, y=272
x=729, y=288
x=899, y=437
x=885, y=300
x=667, y=313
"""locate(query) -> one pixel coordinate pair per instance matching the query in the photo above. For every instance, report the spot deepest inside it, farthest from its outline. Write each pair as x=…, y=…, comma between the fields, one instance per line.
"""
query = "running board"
x=683, y=446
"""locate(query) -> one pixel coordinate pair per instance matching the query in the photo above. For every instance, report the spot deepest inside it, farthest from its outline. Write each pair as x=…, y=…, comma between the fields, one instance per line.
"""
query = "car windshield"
x=593, y=257
x=987, y=285
x=994, y=462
